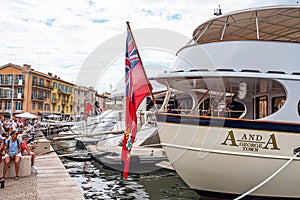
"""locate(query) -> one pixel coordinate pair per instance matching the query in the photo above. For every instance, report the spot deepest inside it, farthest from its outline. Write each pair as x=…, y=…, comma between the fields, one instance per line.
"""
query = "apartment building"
x=101, y=100
x=62, y=97
x=80, y=94
x=22, y=89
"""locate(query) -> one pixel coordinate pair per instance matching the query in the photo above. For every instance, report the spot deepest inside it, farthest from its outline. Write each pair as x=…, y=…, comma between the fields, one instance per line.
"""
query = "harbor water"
x=97, y=182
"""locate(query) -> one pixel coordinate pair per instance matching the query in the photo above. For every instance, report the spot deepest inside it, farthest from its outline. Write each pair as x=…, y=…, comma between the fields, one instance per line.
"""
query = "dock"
x=52, y=181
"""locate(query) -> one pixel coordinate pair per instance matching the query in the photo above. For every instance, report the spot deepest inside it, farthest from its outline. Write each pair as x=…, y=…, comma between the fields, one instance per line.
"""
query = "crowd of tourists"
x=15, y=137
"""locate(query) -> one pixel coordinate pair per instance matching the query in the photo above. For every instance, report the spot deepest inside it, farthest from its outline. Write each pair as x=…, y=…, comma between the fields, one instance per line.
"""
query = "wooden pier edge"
x=52, y=181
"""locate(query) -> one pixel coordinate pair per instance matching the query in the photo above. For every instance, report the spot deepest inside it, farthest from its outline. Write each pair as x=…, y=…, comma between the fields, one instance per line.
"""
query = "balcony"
x=17, y=82
x=64, y=91
x=64, y=101
x=19, y=96
x=38, y=98
x=7, y=110
x=16, y=96
x=37, y=85
x=54, y=100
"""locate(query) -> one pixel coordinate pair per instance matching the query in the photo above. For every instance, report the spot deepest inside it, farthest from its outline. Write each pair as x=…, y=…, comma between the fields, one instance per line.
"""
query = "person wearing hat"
x=26, y=151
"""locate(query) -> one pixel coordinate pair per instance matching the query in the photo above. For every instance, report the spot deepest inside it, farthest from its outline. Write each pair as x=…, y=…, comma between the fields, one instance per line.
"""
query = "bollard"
x=2, y=183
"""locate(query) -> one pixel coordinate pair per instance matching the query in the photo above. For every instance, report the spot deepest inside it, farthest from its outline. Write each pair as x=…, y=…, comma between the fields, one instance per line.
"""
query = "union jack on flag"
x=137, y=87
x=132, y=58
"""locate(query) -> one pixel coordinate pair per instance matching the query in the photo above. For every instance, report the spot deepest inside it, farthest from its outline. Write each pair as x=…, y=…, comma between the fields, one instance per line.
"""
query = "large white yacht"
x=238, y=118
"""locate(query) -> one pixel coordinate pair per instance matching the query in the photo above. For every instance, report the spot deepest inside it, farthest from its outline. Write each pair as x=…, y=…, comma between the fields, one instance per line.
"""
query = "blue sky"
x=57, y=36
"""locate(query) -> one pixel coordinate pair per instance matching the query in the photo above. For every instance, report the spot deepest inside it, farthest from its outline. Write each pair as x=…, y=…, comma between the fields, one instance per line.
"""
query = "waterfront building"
x=62, y=97
x=80, y=95
x=22, y=89
x=101, y=100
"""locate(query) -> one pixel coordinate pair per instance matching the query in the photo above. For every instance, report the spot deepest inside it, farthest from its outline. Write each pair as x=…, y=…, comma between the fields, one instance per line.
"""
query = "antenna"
x=217, y=11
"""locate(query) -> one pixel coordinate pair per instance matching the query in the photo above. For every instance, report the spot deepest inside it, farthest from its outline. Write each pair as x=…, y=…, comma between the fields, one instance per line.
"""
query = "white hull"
x=239, y=114
x=200, y=158
x=143, y=159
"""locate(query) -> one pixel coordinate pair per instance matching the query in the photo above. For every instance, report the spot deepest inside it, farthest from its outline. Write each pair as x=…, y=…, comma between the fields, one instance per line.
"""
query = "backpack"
x=18, y=142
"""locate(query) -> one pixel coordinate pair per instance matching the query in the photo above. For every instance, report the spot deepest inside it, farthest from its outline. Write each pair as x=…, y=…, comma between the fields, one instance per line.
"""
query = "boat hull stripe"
x=229, y=123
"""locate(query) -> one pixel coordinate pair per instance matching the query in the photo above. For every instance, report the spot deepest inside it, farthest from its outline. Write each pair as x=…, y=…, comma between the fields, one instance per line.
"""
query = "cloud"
x=51, y=35
x=99, y=20
x=174, y=17
x=49, y=22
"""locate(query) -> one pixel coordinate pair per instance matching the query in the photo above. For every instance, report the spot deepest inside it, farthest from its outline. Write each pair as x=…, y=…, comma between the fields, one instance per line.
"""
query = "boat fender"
x=134, y=160
x=296, y=150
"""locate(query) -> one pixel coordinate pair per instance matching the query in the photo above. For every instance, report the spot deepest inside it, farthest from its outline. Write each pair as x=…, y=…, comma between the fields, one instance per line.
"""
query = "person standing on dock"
x=13, y=152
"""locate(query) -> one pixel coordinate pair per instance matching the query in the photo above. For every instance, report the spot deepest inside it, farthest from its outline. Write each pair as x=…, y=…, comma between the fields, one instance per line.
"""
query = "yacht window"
x=184, y=102
x=277, y=103
x=299, y=107
x=261, y=107
x=232, y=109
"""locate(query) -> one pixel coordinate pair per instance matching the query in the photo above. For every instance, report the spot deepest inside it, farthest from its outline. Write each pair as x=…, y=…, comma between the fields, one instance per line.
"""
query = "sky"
x=62, y=36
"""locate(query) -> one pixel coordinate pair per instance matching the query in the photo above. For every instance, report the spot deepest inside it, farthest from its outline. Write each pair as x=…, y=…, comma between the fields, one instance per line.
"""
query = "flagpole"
x=138, y=53
x=85, y=117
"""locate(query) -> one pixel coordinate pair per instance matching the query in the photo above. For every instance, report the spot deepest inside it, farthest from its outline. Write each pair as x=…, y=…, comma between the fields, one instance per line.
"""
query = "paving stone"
x=51, y=181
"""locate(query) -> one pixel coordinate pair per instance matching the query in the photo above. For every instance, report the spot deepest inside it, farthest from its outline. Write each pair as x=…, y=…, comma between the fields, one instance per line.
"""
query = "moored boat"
x=146, y=152
x=238, y=110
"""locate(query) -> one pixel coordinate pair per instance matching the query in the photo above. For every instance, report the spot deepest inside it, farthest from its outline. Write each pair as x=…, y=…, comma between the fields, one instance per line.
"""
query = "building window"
x=7, y=94
x=18, y=106
x=41, y=95
x=7, y=105
x=20, y=93
x=33, y=94
x=47, y=107
x=0, y=105
x=20, y=79
x=34, y=81
x=40, y=106
x=53, y=108
x=33, y=106
x=10, y=79
x=2, y=79
x=47, y=95
x=41, y=82
x=58, y=108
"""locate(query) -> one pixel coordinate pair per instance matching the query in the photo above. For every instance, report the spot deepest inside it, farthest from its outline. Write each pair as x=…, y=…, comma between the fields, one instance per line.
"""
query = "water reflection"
x=97, y=182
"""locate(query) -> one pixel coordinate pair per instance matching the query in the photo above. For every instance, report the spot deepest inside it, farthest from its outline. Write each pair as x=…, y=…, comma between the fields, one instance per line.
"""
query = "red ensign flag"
x=88, y=108
x=137, y=87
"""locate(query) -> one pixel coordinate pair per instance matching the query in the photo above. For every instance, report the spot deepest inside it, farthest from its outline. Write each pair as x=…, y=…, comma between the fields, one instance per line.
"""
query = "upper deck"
x=276, y=23
x=263, y=39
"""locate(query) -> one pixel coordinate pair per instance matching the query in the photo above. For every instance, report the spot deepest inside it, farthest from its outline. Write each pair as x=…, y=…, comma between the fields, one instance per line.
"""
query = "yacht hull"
x=230, y=157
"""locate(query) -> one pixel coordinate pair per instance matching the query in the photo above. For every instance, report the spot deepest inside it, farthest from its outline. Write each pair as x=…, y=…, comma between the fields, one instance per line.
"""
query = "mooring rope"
x=269, y=178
